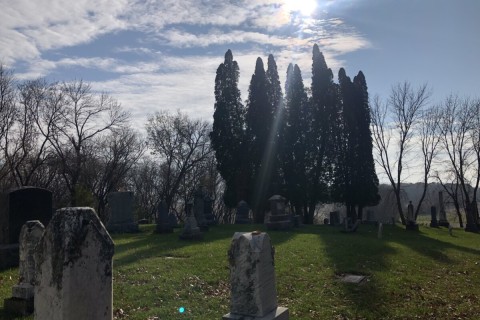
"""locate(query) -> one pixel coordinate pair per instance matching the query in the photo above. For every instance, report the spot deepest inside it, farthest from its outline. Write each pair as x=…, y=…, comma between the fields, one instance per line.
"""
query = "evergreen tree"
x=295, y=165
x=258, y=123
x=228, y=135
x=325, y=127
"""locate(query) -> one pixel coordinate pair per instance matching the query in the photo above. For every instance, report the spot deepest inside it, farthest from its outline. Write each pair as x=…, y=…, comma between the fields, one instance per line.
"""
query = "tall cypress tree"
x=258, y=122
x=295, y=165
x=321, y=142
x=228, y=134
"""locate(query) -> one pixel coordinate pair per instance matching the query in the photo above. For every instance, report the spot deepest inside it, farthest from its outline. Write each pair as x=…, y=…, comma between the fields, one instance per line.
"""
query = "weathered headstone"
x=380, y=231
x=163, y=222
x=334, y=218
x=22, y=293
x=208, y=210
x=21, y=205
x=252, y=279
x=433, y=214
x=411, y=222
x=243, y=213
x=190, y=231
x=121, y=212
x=442, y=221
x=74, y=268
x=279, y=219
x=199, y=209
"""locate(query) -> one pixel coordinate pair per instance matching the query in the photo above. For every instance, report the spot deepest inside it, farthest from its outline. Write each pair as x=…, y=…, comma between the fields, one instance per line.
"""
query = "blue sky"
x=153, y=55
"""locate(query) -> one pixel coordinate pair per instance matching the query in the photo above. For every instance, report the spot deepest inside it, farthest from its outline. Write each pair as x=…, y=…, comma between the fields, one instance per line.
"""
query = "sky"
x=154, y=55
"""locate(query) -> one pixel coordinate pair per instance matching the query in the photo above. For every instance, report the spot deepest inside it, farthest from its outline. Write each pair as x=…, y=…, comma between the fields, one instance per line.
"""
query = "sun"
x=304, y=7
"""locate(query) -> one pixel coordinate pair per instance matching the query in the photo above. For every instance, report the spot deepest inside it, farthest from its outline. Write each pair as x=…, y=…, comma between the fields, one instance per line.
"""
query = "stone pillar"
x=252, y=279
x=279, y=219
x=242, y=214
x=433, y=214
x=163, y=221
x=74, y=268
x=22, y=293
x=443, y=214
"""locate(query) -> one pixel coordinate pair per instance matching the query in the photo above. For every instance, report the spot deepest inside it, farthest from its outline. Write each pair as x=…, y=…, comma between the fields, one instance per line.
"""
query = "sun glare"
x=304, y=7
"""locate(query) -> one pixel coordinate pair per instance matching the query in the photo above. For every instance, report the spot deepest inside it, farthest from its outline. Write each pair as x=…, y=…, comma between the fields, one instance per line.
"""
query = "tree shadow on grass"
x=362, y=253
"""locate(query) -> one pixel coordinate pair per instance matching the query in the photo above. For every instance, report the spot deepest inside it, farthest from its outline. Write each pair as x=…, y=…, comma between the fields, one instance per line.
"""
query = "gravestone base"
x=443, y=223
x=280, y=225
x=23, y=291
x=9, y=256
x=129, y=227
x=280, y=313
x=411, y=227
x=18, y=306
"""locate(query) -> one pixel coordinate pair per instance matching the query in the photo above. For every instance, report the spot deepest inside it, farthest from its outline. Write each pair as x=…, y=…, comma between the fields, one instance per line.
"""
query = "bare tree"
x=85, y=116
x=461, y=143
x=180, y=144
x=7, y=115
x=397, y=118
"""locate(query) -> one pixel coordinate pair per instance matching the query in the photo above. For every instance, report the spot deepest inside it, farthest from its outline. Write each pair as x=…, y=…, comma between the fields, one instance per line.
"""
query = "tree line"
x=311, y=146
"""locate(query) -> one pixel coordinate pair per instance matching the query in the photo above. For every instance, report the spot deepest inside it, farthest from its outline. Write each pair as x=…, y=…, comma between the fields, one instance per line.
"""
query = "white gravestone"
x=74, y=268
x=252, y=279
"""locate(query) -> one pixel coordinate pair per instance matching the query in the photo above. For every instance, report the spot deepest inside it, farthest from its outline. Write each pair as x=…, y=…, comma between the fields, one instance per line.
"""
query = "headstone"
x=172, y=219
x=121, y=212
x=22, y=293
x=163, y=221
x=380, y=231
x=190, y=231
x=74, y=268
x=279, y=219
x=208, y=210
x=243, y=212
x=199, y=208
x=450, y=230
x=252, y=279
x=21, y=205
x=334, y=218
x=371, y=217
x=442, y=221
x=411, y=223
x=433, y=214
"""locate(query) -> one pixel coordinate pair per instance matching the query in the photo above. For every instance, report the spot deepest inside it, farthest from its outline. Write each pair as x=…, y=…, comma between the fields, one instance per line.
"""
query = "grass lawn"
x=424, y=275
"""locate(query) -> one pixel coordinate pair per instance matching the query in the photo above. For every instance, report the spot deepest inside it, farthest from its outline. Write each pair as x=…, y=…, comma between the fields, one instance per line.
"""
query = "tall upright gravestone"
x=121, y=212
x=442, y=221
x=22, y=293
x=252, y=279
x=21, y=205
x=74, y=268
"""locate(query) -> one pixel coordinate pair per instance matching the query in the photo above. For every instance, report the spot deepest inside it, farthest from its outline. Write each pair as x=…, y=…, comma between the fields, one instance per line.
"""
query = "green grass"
x=424, y=275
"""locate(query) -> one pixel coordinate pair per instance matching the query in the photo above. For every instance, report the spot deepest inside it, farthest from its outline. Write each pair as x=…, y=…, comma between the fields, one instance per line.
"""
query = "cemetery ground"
x=409, y=275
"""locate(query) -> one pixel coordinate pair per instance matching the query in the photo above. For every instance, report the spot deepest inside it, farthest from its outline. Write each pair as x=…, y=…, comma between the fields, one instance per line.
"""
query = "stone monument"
x=190, y=231
x=411, y=223
x=243, y=213
x=199, y=208
x=74, y=268
x=208, y=210
x=279, y=219
x=121, y=212
x=334, y=218
x=443, y=222
x=22, y=293
x=163, y=222
x=252, y=279
x=433, y=214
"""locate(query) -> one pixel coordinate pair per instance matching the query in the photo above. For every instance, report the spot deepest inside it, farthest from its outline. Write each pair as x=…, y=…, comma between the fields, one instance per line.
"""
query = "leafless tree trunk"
x=397, y=117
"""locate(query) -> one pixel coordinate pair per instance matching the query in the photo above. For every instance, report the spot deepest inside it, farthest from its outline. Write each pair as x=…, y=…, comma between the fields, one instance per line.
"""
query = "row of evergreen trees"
x=311, y=149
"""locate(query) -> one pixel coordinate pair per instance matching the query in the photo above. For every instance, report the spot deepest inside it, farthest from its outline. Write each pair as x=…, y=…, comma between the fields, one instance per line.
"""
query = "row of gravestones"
x=66, y=271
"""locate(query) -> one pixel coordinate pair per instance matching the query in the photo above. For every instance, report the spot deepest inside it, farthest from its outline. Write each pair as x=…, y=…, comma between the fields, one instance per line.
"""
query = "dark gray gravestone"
x=243, y=213
x=199, y=209
x=433, y=213
x=172, y=219
x=121, y=212
x=21, y=205
x=163, y=221
x=279, y=219
x=334, y=218
x=208, y=210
